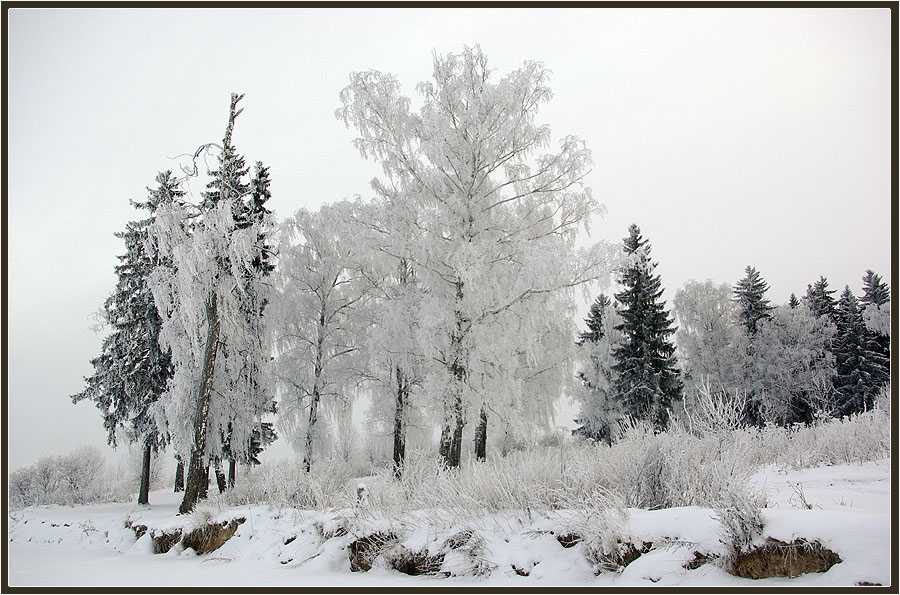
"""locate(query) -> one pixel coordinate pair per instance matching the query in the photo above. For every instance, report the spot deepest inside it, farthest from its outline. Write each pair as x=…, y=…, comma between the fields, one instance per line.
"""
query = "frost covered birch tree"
x=208, y=292
x=388, y=232
x=497, y=222
x=321, y=320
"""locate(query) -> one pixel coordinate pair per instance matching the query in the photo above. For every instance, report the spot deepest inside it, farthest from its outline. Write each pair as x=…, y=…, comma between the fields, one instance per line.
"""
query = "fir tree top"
x=748, y=294
x=818, y=296
x=594, y=321
x=875, y=291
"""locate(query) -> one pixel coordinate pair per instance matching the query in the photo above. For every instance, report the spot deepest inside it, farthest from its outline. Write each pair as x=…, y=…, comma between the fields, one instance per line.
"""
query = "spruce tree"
x=820, y=300
x=875, y=304
x=648, y=380
x=861, y=370
x=875, y=292
x=793, y=302
x=132, y=370
x=599, y=414
x=594, y=321
x=749, y=295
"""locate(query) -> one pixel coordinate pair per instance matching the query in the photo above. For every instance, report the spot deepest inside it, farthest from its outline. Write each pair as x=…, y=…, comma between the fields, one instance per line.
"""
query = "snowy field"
x=847, y=508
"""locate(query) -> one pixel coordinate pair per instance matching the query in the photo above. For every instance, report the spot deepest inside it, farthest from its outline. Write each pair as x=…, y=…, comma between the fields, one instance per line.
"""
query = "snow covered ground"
x=90, y=546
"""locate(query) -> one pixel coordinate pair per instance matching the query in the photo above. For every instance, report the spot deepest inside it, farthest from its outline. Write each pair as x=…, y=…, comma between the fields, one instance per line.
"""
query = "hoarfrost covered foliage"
x=322, y=312
x=210, y=274
x=497, y=228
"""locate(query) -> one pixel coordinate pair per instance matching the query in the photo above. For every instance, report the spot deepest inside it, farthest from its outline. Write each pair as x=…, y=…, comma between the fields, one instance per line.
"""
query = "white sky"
x=730, y=136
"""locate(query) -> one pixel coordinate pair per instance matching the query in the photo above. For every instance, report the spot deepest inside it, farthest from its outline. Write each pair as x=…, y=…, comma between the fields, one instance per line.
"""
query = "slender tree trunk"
x=314, y=402
x=144, y=493
x=400, y=422
x=196, y=469
x=179, y=476
x=444, y=445
x=481, y=436
x=452, y=435
x=204, y=488
x=220, y=477
x=313, y=416
x=232, y=472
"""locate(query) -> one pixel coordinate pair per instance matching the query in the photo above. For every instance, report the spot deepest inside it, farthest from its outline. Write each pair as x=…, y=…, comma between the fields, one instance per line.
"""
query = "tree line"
x=755, y=363
x=446, y=298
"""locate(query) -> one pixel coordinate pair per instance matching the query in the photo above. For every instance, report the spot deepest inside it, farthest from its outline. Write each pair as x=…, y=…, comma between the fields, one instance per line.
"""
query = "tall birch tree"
x=497, y=220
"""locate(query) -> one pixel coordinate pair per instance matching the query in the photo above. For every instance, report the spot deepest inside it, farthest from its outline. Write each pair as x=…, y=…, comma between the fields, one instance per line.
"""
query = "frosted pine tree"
x=861, y=369
x=208, y=295
x=497, y=226
x=819, y=299
x=132, y=370
x=600, y=413
x=749, y=294
x=648, y=382
x=876, y=305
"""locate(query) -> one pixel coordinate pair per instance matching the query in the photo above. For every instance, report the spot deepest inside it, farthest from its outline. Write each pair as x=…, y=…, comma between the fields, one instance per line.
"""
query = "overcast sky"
x=732, y=137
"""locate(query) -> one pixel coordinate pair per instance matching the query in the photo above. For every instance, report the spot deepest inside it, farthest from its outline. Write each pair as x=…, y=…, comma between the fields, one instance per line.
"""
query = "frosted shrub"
x=76, y=478
x=739, y=514
x=286, y=483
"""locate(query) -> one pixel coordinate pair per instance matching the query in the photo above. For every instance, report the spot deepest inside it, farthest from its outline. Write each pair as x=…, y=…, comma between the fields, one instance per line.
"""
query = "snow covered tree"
x=876, y=307
x=600, y=414
x=208, y=295
x=132, y=370
x=861, y=370
x=648, y=380
x=789, y=371
x=321, y=320
x=712, y=346
x=819, y=299
x=749, y=295
x=875, y=291
x=497, y=223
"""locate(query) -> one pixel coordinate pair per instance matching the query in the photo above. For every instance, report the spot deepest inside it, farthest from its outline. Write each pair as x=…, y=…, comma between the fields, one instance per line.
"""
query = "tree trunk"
x=204, y=488
x=451, y=437
x=481, y=436
x=144, y=493
x=400, y=422
x=232, y=472
x=313, y=415
x=220, y=477
x=179, y=477
x=196, y=474
x=314, y=402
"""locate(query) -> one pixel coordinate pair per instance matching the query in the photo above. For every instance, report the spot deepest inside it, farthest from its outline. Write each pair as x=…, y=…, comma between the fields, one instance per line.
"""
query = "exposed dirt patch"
x=699, y=560
x=211, y=537
x=777, y=558
x=163, y=542
x=568, y=540
x=413, y=563
x=364, y=550
x=625, y=554
x=139, y=530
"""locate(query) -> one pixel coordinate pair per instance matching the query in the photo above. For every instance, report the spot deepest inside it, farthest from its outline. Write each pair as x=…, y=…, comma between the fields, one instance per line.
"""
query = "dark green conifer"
x=860, y=369
x=648, y=380
x=749, y=294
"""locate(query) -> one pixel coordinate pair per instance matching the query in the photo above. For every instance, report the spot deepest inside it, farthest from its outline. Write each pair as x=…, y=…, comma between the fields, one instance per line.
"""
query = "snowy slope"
x=90, y=546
